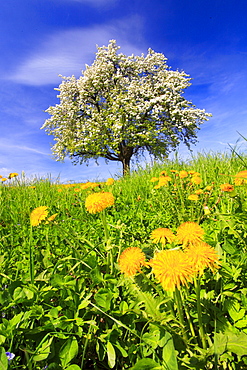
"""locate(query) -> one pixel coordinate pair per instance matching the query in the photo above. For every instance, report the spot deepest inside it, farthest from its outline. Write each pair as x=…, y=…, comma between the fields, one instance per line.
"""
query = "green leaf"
x=111, y=354
x=169, y=353
x=68, y=351
x=73, y=367
x=103, y=298
x=43, y=351
x=237, y=343
x=3, y=359
x=147, y=364
x=231, y=342
x=152, y=338
x=15, y=320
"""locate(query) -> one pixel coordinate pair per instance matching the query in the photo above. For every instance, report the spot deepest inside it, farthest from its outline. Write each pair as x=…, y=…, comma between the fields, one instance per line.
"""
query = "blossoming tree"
x=122, y=106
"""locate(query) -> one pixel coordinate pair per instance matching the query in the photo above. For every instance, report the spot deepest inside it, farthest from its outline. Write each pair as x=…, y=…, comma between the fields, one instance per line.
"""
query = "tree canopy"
x=122, y=106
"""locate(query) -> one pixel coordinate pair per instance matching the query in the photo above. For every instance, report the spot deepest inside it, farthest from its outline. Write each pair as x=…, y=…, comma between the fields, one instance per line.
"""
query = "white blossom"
x=121, y=105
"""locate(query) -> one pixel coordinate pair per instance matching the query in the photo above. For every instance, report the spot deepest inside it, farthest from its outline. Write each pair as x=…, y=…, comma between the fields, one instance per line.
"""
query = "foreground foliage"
x=84, y=284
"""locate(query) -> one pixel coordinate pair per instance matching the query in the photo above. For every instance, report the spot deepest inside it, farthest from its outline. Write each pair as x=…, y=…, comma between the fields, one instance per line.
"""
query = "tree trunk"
x=126, y=166
x=126, y=153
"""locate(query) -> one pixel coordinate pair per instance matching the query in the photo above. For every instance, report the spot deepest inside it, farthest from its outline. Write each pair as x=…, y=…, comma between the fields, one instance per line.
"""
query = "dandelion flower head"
x=189, y=233
x=97, y=202
x=171, y=268
x=194, y=197
x=183, y=174
x=38, y=214
x=109, y=181
x=196, y=180
x=131, y=260
x=242, y=174
x=13, y=174
x=202, y=256
x=199, y=191
x=162, y=235
x=227, y=187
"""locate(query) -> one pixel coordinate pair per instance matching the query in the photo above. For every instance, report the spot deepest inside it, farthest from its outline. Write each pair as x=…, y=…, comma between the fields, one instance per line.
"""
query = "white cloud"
x=67, y=52
x=96, y=3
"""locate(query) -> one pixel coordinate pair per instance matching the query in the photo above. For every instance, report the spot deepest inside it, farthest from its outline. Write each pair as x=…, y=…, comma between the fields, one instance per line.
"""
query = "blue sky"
x=42, y=39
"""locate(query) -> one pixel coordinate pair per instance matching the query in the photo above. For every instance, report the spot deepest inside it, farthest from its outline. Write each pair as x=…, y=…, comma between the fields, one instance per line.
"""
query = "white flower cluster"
x=122, y=104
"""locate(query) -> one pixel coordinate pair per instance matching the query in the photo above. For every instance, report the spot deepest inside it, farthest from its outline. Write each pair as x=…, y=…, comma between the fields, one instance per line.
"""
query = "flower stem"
x=199, y=312
x=31, y=258
x=108, y=246
x=178, y=300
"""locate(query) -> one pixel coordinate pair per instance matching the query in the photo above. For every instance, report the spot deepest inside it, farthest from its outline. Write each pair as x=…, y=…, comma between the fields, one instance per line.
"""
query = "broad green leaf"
x=169, y=353
x=111, y=354
x=43, y=351
x=147, y=364
x=68, y=351
x=152, y=338
x=241, y=323
x=2, y=339
x=237, y=344
x=121, y=349
x=73, y=367
x=220, y=342
x=103, y=298
x=236, y=312
x=15, y=320
x=231, y=342
x=3, y=359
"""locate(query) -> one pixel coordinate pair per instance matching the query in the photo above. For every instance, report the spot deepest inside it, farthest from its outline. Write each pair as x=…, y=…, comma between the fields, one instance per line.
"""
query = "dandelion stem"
x=31, y=259
x=106, y=232
x=178, y=299
x=107, y=242
x=199, y=312
x=188, y=316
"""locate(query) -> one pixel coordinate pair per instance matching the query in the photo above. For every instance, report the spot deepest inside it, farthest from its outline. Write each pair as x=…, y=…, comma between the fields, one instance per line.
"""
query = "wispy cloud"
x=95, y=3
x=67, y=52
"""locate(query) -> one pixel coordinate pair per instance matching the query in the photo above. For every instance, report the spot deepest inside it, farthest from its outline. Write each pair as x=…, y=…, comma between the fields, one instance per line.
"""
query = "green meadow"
x=68, y=304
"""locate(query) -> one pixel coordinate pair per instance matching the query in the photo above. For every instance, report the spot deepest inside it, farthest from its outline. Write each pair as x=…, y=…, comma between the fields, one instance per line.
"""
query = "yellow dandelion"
x=154, y=179
x=52, y=217
x=109, y=181
x=196, y=180
x=131, y=260
x=4, y=179
x=239, y=181
x=13, y=174
x=202, y=256
x=227, y=187
x=97, y=202
x=163, y=173
x=209, y=187
x=242, y=174
x=183, y=174
x=199, y=191
x=37, y=215
x=241, y=178
x=189, y=233
x=163, y=180
x=162, y=235
x=171, y=268
x=194, y=197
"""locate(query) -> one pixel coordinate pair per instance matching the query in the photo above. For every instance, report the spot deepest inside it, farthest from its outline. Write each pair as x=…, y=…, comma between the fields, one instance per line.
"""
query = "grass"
x=65, y=303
